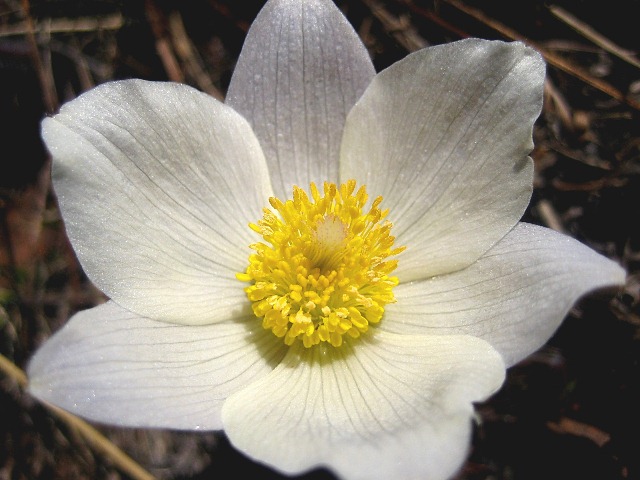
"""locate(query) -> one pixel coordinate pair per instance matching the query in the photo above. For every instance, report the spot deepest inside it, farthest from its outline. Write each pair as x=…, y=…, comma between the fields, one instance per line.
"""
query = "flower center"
x=323, y=270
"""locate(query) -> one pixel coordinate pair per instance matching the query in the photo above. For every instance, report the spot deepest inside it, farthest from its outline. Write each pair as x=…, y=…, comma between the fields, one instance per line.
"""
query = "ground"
x=569, y=411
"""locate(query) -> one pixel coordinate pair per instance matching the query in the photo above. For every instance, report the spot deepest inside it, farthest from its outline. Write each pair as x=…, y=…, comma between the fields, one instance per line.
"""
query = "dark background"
x=570, y=411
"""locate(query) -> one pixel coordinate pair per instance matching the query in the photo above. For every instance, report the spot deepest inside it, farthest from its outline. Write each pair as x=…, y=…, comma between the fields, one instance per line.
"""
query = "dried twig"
x=550, y=57
x=189, y=56
x=597, y=38
x=64, y=25
x=435, y=18
x=402, y=30
x=562, y=108
x=549, y=216
x=579, y=429
x=45, y=75
x=82, y=67
x=163, y=45
x=103, y=70
x=98, y=441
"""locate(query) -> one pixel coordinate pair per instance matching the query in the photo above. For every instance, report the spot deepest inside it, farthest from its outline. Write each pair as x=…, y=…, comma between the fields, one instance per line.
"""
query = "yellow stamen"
x=324, y=269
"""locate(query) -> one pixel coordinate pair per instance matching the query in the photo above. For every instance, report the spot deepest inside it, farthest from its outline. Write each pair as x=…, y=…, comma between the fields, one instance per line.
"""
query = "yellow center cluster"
x=324, y=269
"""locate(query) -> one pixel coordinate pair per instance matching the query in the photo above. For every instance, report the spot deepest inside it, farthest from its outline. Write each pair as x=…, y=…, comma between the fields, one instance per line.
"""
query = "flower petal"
x=443, y=136
x=110, y=365
x=157, y=184
x=301, y=70
x=391, y=406
x=515, y=296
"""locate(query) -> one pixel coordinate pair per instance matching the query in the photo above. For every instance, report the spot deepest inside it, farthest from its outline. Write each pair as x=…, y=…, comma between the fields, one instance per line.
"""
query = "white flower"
x=158, y=184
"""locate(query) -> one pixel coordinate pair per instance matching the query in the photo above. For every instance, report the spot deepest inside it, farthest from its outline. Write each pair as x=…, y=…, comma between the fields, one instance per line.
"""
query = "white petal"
x=110, y=365
x=301, y=70
x=391, y=406
x=443, y=136
x=157, y=183
x=515, y=296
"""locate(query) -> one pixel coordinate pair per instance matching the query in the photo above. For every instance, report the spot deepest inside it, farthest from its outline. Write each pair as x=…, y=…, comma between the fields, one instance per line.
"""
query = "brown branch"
x=163, y=45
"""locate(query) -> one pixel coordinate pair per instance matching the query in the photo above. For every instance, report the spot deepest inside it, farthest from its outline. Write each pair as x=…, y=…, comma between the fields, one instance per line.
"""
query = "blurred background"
x=570, y=411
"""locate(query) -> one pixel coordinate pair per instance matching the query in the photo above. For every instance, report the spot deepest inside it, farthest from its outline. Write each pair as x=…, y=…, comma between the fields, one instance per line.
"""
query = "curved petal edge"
x=388, y=406
x=113, y=366
x=301, y=70
x=515, y=296
x=444, y=136
x=157, y=184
